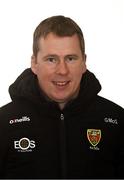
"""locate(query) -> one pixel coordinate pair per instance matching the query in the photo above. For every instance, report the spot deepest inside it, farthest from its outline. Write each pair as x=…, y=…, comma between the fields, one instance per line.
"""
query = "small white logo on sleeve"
x=24, y=145
x=110, y=120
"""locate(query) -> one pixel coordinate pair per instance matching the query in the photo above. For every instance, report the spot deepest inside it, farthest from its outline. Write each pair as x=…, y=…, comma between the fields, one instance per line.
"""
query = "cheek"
x=77, y=75
x=44, y=75
x=82, y=69
x=77, y=72
x=43, y=81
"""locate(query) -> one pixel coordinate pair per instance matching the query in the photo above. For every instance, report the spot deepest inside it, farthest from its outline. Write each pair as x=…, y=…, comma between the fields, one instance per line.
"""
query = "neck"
x=62, y=105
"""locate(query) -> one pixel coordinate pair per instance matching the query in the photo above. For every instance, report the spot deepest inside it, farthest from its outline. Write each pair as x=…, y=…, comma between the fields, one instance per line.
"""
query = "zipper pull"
x=62, y=117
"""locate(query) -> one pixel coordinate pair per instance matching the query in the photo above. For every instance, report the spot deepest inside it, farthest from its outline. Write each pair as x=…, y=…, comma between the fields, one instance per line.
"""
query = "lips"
x=61, y=83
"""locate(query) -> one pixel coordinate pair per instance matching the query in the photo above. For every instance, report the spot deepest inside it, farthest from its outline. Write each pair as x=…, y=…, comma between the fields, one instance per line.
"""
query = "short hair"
x=59, y=25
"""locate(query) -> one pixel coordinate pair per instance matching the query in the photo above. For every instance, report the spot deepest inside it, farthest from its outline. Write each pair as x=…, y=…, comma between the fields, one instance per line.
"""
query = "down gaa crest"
x=94, y=136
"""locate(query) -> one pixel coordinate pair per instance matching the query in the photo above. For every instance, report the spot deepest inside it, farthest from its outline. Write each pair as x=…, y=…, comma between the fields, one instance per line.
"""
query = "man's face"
x=59, y=66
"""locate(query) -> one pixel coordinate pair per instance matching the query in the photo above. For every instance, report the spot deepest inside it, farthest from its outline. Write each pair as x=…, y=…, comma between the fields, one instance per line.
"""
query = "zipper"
x=63, y=152
x=62, y=117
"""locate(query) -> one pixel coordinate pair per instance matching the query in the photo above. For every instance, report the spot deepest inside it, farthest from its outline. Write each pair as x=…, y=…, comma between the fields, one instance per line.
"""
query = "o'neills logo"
x=23, y=119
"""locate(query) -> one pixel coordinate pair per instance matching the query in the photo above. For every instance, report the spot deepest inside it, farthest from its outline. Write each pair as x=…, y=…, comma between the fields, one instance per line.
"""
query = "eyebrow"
x=55, y=55
x=50, y=55
x=75, y=55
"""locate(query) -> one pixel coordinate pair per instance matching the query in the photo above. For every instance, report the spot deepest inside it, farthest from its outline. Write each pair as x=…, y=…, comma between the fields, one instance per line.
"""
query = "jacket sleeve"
x=120, y=155
x=3, y=146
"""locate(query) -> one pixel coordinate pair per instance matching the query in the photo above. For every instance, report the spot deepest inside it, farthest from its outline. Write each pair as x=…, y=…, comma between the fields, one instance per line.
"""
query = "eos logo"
x=24, y=144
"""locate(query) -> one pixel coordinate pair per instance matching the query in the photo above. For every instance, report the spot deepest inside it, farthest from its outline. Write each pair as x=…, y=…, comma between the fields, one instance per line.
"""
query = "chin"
x=61, y=100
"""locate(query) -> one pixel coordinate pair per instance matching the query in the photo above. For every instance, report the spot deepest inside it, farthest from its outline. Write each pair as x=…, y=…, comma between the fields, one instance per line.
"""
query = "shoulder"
x=108, y=103
x=10, y=108
x=14, y=109
x=6, y=109
x=109, y=107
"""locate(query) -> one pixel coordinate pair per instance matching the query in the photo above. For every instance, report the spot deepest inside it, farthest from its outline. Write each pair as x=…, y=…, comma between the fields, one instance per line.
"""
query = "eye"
x=51, y=59
x=71, y=58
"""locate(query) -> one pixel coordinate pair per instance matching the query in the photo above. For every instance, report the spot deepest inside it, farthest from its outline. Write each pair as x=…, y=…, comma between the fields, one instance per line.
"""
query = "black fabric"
x=26, y=86
x=38, y=140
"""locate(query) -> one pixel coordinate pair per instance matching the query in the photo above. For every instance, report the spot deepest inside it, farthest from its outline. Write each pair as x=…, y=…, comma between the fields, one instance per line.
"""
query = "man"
x=56, y=125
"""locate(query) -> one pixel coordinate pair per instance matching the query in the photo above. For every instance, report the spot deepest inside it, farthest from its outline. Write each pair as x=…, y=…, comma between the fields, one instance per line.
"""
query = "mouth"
x=61, y=83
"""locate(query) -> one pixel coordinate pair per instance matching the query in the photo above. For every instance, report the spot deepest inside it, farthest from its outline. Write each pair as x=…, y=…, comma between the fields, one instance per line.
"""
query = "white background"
x=102, y=22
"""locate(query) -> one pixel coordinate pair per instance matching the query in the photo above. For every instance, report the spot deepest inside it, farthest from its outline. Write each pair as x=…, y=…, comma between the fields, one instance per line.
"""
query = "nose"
x=62, y=68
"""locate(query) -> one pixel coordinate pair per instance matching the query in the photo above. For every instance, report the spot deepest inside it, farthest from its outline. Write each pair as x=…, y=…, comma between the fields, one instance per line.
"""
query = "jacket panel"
x=105, y=159
x=42, y=129
x=32, y=144
x=84, y=140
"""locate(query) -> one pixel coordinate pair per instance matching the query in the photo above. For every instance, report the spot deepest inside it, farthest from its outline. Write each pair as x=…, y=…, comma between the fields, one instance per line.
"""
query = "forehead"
x=52, y=41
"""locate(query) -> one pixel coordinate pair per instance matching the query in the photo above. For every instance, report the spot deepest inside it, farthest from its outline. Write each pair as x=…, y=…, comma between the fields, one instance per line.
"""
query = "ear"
x=85, y=57
x=34, y=64
x=84, y=63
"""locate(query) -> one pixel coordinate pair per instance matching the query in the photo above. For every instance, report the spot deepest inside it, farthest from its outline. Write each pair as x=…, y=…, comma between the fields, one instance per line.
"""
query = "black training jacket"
x=38, y=140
